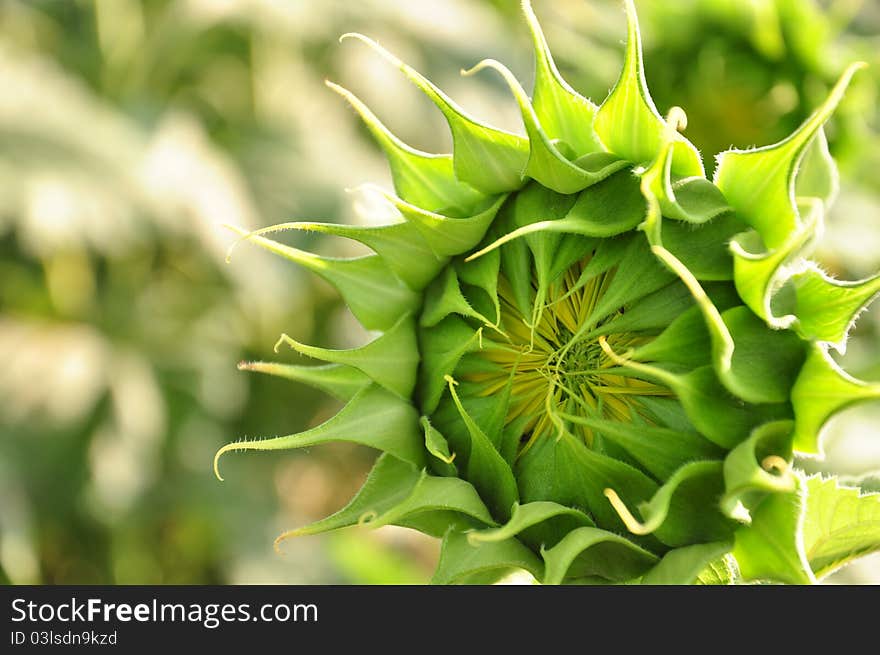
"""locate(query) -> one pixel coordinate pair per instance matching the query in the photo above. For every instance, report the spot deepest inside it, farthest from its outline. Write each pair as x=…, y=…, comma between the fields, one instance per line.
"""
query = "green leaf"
x=587, y=552
x=547, y=164
x=569, y=252
x=460, y=560
x=638, y=274
x=436, y=444
x=684, y=341
x=567, y=472
x=389, y=483
x=536, y=202
x=444, y=297
x=442, y=348
x=453, y=501
x=562, y=112
x=667, y=412
x=400, y=245
x=816, y=306
x=765, y=362
x=760, y=184
x=376, y=296
x=628, y=123
x=483, y=273
x=652, y=312
x=422, y=179
x=757, y=271
x=704, y=249
x=661, y=451
x=608, y=253
x=683, y=510
x=338, y=380
x=447, y=234
x=705, y=225
x=516, y=261
x=771, y=547
x=759, y=465
x=694, y=200
x=719, y=572
x=685, y=565
x=390, y=360
x=840, y=524
x=721, y=339
x=487, y=158
x=529, y=515
x=827, y=308
x=822, y=390
x=374, y=417
x=722, y=418
x=607, y=208
x=486, y=468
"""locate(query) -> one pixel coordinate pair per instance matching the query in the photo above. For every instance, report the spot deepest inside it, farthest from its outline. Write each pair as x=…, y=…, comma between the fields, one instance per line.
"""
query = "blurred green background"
x=132, y=130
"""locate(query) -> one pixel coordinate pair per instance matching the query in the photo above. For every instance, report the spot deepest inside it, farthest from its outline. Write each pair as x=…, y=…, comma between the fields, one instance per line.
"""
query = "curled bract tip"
x=613, y=356
x=242, y=235
x=350, y=35
x=282, y=339
x=217, y=455
x=284, y=536
x=632, y=524
x=482, y=65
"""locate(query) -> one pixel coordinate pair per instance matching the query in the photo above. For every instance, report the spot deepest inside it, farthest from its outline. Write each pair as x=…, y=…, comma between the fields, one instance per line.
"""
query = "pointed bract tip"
x=217, y=456
x=363, y=38
x=282, y=339
x=242, y=234
x=376, y=47
x=341, y=90
x=354, y=35
x=276, y=545
x=476, y=68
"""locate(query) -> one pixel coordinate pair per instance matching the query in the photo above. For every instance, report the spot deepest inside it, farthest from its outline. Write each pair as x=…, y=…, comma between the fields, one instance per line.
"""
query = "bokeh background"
x=132, y=130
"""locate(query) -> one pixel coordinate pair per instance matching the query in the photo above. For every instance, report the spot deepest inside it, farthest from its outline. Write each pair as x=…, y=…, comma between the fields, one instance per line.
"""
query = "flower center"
x=558, y=364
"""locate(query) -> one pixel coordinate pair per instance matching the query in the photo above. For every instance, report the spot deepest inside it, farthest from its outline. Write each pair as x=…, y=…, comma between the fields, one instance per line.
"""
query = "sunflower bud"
x=595, y=364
